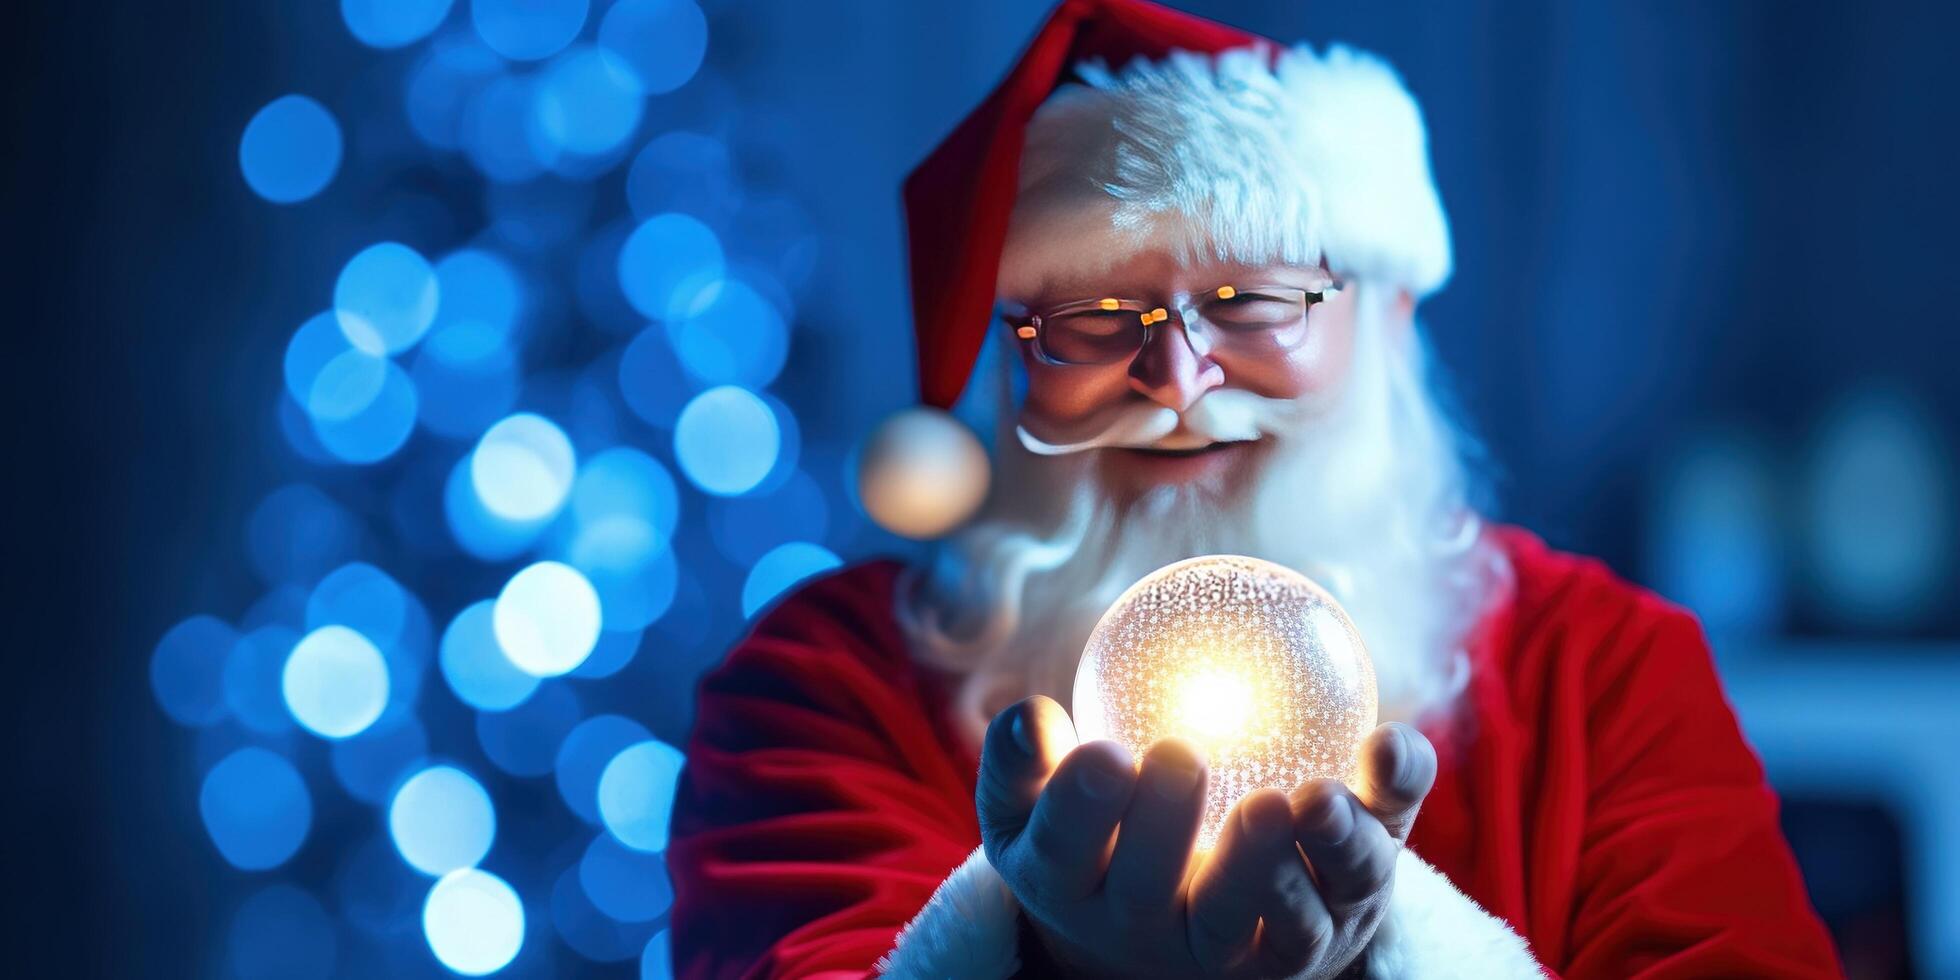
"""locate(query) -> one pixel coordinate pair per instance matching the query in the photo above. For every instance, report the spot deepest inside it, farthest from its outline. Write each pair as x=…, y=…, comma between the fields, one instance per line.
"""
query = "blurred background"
x=360, y=353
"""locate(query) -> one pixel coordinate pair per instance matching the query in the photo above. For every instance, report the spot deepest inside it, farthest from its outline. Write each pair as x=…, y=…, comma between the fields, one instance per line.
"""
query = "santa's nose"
x=1170, y=370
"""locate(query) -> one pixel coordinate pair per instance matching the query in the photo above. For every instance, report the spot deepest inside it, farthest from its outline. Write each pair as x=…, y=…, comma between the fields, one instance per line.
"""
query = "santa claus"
x=1201, y=253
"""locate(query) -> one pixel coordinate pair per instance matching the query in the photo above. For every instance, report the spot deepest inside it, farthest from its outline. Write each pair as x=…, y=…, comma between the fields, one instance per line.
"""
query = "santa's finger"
x=1021, y=747
x=1065, y=845
x=1349, y=851
x=1398, y=768
x=1154, y=845
x=1295, y=926
x=1228, y=891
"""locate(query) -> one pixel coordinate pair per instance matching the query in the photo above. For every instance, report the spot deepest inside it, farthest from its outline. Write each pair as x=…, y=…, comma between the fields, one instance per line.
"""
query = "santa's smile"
x=1183, y=452
x=1144, y=467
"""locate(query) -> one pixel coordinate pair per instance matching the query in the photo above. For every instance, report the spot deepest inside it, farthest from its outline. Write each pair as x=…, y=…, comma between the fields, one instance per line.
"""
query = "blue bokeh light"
x=378, y=429
x=363, y=598
x=731, y=335
x=1713, y=545
x=462, y=382
x=592, y=414
x=657, y=960
x=441, y=820
x=589, y=102
x=392, y=23
x=615, y=649
x=484, y=535
x=474, y=922
x=316, y=343
x=626, y=884
x=524, y=741
x=633, y=576
x=547, y=618
x=252, y=677
x=369, y=765
x=282, y=933
x=636, y=794
x=623, y=508
x=374, y=605
x=527, y=30
x=583, y=757
x=496, y=130
x=335, y=682
x=626, y=481
x=475, y=666
x=588, y=931
x=187, y=670
x=789, y=447
x=651, y=380
x=663, y=41
x=477, y=286
x=784, y=566
x=386, y=298
x=1877, y=513
x=256, y=808
x=443, y=83
x=298, y=532
x=668, y=261
x=727, y=440
x=523, y=467
x=290, y=150
x=346, y=386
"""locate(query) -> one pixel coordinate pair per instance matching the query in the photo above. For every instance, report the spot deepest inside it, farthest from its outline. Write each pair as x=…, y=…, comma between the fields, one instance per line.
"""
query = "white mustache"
x=1224, y=415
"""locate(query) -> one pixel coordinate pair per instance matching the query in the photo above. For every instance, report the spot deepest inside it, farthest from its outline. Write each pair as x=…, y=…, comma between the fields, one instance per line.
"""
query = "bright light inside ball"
x=1215, y=706
x=1249, y=661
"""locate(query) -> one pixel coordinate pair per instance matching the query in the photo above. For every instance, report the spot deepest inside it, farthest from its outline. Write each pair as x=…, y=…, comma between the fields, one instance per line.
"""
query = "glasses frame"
x=1028, y=322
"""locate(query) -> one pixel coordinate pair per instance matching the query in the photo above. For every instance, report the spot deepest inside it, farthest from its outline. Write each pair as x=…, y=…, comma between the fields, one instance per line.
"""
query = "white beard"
x=1368, y=498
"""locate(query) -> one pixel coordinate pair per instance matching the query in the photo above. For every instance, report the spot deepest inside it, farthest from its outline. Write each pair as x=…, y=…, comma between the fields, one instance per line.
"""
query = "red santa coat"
x=1593, y=791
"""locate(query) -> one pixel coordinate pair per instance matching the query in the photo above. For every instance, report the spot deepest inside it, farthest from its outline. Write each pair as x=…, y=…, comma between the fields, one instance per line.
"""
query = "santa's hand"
x=1049, y=812
x=1317, y=915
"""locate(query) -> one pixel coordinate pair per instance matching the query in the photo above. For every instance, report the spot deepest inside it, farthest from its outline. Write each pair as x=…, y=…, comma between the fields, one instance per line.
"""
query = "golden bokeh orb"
x=1249, y=661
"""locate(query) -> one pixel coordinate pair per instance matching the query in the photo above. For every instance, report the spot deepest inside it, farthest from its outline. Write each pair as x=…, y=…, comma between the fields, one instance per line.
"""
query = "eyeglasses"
x=1248, y=320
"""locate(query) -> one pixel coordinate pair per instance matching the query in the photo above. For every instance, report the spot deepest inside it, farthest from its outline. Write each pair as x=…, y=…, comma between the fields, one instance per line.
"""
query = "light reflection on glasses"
x=1256, y=319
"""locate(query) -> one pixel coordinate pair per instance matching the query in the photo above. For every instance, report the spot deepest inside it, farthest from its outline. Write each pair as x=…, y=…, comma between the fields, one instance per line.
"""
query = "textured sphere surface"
x=1250, y=661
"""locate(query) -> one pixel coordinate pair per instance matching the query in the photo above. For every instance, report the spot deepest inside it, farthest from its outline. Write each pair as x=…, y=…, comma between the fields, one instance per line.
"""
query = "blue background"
x=1701, y=315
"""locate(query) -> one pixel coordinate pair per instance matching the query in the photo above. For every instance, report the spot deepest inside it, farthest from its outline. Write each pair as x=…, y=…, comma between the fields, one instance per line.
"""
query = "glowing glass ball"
x=1247, y=660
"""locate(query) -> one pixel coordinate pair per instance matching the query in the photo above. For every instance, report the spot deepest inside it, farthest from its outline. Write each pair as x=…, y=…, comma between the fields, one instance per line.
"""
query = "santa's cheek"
x=1058, y=396
x=1314, y=372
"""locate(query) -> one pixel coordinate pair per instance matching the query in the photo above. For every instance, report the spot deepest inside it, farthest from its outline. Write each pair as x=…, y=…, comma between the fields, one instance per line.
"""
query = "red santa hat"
x=1128, y=124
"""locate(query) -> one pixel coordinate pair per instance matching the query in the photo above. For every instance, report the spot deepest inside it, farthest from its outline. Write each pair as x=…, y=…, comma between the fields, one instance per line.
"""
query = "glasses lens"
x=1266, y=316
x=1092, y=336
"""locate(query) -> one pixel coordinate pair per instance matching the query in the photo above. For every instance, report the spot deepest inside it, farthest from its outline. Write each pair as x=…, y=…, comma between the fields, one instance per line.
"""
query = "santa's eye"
x=1095, y=322
x=1253, y=308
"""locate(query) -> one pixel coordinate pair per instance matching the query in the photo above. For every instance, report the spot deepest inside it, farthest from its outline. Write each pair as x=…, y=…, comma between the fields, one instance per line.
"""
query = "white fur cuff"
x=1433, y=930
x=967, y=931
